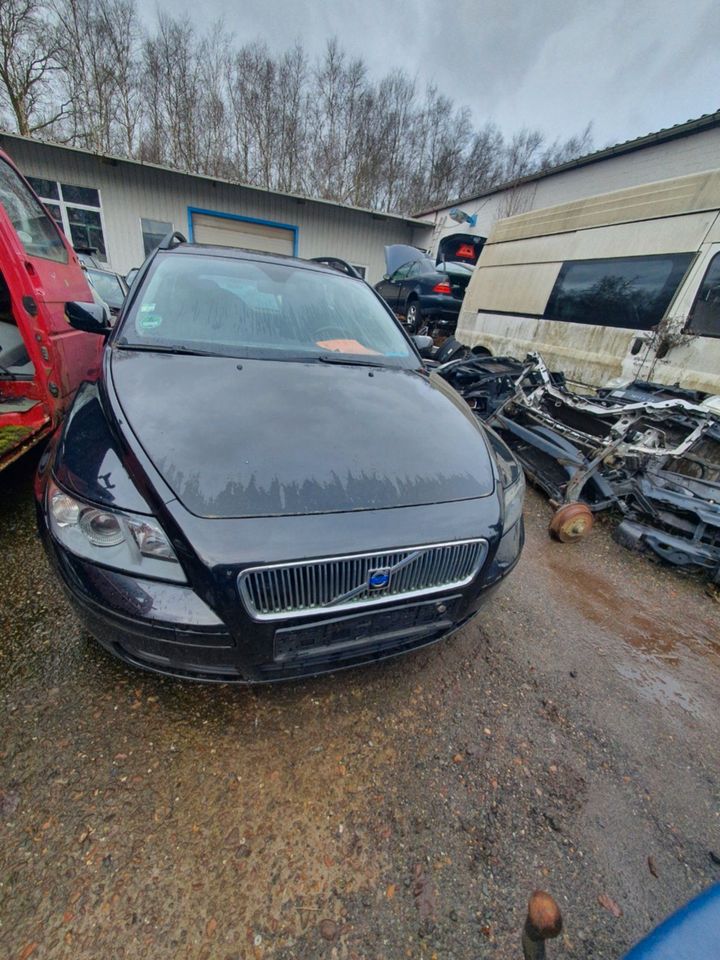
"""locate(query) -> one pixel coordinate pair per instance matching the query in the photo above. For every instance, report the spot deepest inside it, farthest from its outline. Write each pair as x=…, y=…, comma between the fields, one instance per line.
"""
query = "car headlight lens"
x=101, y=528
x=125, y=541
x=512, y=479
x=514, y=494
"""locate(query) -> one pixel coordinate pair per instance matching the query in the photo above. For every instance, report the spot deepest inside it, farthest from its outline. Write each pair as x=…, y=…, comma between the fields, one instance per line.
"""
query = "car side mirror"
x=89, y=317
x=386, y=276
x=424, y=345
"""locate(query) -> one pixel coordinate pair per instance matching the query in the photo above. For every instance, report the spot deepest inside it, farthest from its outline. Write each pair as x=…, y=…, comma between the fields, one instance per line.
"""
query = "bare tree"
x=292, y=99
x=483, y=163
x=338, y=110
x=393, y=122
x=212, y=134
x=172, y=91
x=122, y=31
x=28, y=52
x=86, y=56
x=87, y=72
x=254, y=100
x=561, y=152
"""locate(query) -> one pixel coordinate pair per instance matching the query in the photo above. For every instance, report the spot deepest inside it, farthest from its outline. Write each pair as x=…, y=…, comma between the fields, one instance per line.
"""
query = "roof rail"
x=337, y=264
x=172, y=240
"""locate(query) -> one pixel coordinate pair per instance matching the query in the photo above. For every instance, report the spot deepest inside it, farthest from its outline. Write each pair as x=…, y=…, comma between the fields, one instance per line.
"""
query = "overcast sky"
x=630, y=66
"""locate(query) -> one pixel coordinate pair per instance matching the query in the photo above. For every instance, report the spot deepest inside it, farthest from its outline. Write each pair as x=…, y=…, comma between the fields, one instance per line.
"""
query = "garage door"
x=227, y=232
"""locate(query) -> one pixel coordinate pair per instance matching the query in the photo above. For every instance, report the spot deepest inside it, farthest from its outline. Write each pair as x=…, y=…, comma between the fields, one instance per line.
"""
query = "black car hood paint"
x=285, y=438
x=89, y=462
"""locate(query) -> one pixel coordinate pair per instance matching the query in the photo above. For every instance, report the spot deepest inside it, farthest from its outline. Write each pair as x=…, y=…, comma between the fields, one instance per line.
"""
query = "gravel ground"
x=566, y=739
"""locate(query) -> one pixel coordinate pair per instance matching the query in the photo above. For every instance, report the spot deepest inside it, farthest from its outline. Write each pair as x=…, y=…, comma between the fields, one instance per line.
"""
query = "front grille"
x=341, y=583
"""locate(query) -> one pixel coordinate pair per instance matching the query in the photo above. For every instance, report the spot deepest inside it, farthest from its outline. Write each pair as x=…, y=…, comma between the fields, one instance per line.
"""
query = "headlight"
x=514, y=496
x=114, y=538
x=512, y=479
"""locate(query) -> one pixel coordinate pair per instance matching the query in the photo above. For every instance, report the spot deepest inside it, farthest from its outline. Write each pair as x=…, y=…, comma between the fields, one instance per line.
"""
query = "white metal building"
x=686, y=148
x=123, y=208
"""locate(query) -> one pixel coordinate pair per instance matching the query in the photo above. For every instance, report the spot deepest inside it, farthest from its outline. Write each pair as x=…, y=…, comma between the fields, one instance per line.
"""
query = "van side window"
x=705, y=314
x=630, y=292
x=35, y=229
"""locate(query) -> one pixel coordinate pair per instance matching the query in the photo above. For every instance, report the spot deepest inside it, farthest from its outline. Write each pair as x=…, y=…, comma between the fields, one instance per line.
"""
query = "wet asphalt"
x=565, y=739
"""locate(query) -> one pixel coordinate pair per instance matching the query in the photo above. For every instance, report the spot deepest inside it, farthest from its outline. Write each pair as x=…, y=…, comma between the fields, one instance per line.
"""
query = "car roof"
x=240, y=253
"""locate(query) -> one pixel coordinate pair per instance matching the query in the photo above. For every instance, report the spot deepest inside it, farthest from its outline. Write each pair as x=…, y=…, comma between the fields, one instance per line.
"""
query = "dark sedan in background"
x=109, y=286
x=250, y=491
x=428, y=296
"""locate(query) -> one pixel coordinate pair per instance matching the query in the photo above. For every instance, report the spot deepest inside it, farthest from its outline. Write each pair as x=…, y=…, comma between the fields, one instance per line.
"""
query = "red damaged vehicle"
x=43, y=359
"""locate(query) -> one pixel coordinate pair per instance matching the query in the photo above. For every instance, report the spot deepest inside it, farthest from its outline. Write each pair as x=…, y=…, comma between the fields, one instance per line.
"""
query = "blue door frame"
x=236, y=216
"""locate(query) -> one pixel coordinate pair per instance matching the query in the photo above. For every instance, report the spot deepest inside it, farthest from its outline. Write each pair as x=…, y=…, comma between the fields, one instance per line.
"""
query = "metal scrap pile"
x=650, y=452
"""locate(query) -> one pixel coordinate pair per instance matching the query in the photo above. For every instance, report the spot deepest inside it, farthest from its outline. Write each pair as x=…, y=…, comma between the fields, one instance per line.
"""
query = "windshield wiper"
x=169, y=348
x=349, y=361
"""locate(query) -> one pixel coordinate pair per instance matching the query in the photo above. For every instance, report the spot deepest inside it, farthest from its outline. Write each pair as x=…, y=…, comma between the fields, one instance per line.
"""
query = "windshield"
x=459, y=269
x=108, y=286
x=250, y=308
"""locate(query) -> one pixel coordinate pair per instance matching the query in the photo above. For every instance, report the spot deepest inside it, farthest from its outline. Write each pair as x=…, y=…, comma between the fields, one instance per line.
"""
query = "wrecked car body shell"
x=655, y=460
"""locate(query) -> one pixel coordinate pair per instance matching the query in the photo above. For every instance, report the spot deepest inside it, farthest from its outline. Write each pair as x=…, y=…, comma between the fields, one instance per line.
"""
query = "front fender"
x=87, y=460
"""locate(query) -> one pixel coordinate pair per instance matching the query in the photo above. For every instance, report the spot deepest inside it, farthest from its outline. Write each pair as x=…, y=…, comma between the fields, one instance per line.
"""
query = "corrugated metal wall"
x=129, y=191
x=693, y=153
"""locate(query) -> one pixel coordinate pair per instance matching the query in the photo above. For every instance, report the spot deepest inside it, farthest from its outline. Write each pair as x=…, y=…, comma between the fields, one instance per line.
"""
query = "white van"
x=612, y=288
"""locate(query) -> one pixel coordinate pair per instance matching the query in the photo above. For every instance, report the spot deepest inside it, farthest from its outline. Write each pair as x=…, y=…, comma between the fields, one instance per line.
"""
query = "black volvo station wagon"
x=266, y=481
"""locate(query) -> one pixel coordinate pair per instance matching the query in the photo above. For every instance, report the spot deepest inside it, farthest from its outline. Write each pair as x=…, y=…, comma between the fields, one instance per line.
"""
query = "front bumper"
x=167, y=628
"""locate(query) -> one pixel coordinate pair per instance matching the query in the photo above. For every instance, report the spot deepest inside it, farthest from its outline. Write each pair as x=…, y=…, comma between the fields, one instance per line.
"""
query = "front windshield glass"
x=250, y=308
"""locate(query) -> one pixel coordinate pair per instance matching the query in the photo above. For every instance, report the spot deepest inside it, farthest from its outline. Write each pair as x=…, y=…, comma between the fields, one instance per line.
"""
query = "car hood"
x=269, y=438
x=398, y=254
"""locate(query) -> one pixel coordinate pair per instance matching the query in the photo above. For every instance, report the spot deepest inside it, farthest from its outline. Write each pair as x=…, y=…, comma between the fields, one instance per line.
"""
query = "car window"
x=265, y=310
x=414, y=268
x=401, y=273
x=35, y=229
x=457, y=269
x=108, y=286
x=630, y=292
x=705, y=314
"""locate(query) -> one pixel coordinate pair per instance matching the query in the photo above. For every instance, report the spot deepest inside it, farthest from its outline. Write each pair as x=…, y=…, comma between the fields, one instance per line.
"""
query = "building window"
x=705, y=314
x=153, y=233
x=77, y=211
x=360, y=269
x=628, y=292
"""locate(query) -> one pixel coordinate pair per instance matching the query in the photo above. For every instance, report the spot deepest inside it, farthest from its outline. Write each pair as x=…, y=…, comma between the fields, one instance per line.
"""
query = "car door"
x=692, y=354
x=50, y=275
x=391, y=288
x=408, y=282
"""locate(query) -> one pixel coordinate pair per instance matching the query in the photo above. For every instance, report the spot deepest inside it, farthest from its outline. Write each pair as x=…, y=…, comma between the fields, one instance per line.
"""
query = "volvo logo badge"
x=377, y=579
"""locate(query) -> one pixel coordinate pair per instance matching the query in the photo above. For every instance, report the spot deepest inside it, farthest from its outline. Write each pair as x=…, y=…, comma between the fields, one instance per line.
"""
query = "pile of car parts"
x=650, y=452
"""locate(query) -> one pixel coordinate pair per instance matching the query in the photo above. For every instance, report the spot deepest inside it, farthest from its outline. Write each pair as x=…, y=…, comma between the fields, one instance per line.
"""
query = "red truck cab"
x=43, y=359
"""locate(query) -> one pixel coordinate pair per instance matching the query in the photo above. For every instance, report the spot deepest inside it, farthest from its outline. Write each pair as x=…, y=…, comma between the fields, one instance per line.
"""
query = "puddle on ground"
x=647, y=629
x=654, y=626
x=661, y=686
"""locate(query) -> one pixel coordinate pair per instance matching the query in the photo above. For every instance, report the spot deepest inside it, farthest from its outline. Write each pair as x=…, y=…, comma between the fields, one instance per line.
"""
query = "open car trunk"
x=459, y=276
x=650, y=453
